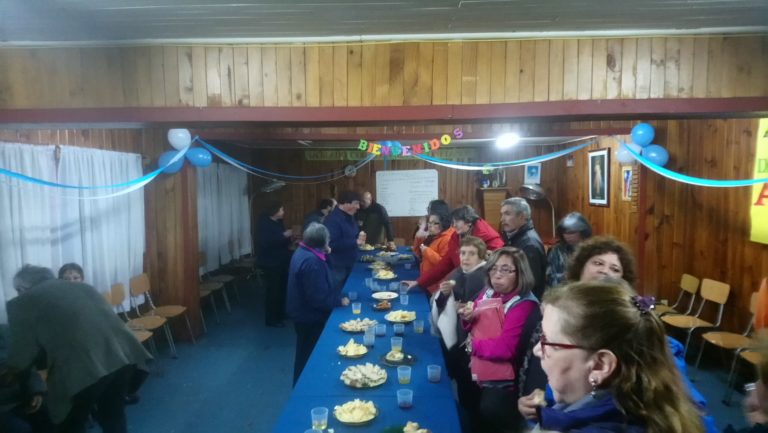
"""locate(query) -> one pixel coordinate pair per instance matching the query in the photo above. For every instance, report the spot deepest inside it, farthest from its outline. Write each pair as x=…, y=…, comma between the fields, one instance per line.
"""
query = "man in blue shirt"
x=346, y=238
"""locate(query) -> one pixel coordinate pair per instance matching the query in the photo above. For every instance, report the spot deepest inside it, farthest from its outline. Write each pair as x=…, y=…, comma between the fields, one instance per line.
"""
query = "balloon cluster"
x=642, y=136
x=181, y=139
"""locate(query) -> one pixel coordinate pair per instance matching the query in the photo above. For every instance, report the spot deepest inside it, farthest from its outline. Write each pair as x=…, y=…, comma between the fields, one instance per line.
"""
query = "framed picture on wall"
x=599, y=169
x=532, y=174
x=626, y=183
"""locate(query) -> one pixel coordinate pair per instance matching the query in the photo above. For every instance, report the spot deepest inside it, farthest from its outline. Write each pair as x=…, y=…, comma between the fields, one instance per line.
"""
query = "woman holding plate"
x=311, y=293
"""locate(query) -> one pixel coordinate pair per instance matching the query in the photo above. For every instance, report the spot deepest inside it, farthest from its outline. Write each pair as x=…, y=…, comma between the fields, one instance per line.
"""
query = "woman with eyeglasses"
x=606, y=359
x=434, y=247
x=510, y=280
x=605, y=259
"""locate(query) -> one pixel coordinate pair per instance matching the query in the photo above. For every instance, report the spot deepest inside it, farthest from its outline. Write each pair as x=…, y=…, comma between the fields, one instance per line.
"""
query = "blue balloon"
x=165, y=158
x=642, y=134
x=199, y=157
x=397, y=148
x=656, y=154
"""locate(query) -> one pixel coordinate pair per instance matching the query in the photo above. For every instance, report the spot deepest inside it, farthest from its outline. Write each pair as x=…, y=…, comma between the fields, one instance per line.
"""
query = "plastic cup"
x=393, y=286
x=352, y=296
x=369, y=339
x=356, y=307
x=399, y=328
x=404, y=374
x=313, y=430
x=403, y=299
x=408, y=266
x=319, y=418
x=418, y=326
x=381, y=329
x=397, y=343
x=433, y=373
x=369, y=283
x=403, y=287
x=405, y=398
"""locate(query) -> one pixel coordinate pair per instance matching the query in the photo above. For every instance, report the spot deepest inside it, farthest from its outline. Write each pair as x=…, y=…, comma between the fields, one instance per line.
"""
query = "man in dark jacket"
x=517, y=231
x=324, y=207
x=346, y=238
x=274, y=243
x=374, y=221
x=311, y=293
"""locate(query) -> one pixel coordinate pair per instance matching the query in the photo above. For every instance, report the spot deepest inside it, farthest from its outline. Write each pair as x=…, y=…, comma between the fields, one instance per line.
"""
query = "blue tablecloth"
x=320, y=383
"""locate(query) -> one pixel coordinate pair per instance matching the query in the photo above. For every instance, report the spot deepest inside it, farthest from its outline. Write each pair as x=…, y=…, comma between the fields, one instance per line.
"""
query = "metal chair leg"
x=731, y=377
x=698, y=359
x=189, y=328
x=687, y=342
x=202, y=319
x=226, y=299
x=169, y=337
x=237, y=292
x=215, y=308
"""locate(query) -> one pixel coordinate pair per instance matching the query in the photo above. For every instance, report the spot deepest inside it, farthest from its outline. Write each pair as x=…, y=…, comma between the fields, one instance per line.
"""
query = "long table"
x=320, y=384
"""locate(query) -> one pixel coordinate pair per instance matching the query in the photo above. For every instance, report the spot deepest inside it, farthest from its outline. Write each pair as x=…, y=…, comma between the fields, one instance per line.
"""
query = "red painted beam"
x=560, y=110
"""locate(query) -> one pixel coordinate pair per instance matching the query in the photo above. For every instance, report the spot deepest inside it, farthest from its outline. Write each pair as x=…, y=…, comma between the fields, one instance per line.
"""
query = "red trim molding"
x=560, y=110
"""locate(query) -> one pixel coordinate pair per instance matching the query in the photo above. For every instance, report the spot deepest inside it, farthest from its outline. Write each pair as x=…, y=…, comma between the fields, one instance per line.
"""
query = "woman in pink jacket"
x=510, y=280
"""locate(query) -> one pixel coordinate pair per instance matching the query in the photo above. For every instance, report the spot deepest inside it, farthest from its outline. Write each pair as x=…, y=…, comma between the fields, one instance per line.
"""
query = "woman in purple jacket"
x=510, y=279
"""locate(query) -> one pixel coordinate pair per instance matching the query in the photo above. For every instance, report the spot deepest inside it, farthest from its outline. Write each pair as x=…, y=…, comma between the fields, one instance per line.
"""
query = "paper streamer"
x=492, y=165
x=715, y=183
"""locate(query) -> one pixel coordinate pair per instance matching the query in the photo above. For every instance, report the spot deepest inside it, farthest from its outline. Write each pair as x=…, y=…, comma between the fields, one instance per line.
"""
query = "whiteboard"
x=406, y=192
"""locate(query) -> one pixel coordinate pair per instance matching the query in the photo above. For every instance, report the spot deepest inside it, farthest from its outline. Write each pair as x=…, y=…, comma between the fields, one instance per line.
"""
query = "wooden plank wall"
x=417, y=73
x=689, y=229
x=170, y=208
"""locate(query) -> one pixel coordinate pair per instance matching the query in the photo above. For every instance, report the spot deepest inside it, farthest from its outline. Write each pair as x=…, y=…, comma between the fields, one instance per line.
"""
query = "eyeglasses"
x=504, y=270
x=434, y=223
x=544, y=343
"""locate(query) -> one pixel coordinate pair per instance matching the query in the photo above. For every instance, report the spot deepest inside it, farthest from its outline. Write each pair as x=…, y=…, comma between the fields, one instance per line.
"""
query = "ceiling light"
x=507, y=140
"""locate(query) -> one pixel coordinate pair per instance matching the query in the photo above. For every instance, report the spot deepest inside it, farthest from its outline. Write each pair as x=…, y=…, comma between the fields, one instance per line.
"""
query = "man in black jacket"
x=517, y=231
x=374, y=221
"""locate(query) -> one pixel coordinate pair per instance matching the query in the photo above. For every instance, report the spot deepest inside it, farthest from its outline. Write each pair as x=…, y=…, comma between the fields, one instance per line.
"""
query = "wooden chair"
x=689, y=286
x=143, y=327
x=730, y=340
x=206, y=291
x=752, y=357
x=140, y=286
x=214, y=288
x=711, y=291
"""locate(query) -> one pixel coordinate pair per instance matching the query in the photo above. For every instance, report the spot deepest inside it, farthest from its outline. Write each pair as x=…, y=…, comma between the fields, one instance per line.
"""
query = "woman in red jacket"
x=435, y=246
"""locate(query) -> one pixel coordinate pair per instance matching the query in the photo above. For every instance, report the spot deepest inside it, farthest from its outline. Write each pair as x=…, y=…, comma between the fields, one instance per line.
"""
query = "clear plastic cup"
x=399, y=328
x=403, y=299
x=397, y=343
x=319, y=418
x=381, y=329
x=369, y=339
x=393, y=286
x=403, y=288
x=433, y=373
x=405, y=398
x=404, y=374
x=369, y=283
x=352, y=296
x=356, y=307
x=418, y=326
x=408, y=265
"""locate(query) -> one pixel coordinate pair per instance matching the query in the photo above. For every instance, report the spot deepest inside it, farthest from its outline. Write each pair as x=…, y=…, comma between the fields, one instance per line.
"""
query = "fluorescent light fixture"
x=507, y=140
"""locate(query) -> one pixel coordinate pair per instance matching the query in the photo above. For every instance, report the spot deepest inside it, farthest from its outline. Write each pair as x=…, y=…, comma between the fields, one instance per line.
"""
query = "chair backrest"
x=117, y=294
x=139, y=284
x=715, y=291
x=689, y=283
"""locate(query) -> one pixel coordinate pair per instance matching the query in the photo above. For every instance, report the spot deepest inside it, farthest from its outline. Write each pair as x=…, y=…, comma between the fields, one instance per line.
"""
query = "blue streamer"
x=228, y=158
x=486, y=165
x=716, y=183
x=146, y=177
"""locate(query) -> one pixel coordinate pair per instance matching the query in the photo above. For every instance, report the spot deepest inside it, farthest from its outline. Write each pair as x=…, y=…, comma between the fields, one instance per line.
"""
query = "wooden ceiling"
x=88, y=21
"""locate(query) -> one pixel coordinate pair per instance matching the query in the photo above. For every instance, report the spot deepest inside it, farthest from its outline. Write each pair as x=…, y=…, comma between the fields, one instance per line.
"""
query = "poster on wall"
x=626, y=183
x=598, y=177
x=759, y=203
x=406, y=192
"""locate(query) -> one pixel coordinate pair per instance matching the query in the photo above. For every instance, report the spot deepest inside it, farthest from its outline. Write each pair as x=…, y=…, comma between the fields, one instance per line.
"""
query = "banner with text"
x=759, y=210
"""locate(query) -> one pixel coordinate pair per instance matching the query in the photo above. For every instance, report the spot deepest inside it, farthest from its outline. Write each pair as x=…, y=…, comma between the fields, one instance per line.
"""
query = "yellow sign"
x=759, y=210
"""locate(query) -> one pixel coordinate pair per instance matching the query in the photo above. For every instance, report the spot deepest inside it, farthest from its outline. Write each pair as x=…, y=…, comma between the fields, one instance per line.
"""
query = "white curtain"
x=223, y=215
x=105, y=236
x=26, y=216
x=49, y=226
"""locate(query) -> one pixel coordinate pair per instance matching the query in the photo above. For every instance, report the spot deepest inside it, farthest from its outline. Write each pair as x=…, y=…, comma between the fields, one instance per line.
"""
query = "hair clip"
x=644, y=304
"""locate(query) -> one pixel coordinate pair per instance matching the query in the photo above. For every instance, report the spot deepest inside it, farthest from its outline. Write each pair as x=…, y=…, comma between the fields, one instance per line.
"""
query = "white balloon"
x=623, y=156
x=180, y=139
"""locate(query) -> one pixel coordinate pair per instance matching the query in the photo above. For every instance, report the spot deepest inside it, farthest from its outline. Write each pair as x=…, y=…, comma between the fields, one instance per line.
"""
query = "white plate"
x=384, y=295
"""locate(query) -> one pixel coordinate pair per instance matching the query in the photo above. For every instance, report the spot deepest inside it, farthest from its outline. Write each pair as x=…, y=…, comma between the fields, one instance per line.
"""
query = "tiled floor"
x=238, y=377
